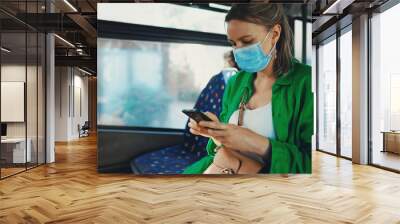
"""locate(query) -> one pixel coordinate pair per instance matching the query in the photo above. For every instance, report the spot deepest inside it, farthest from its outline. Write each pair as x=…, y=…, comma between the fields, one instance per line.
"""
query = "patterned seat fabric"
x=174, y=159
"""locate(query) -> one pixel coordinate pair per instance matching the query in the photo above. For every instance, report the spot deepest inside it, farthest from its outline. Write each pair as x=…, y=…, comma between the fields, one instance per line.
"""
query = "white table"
x=19, y=155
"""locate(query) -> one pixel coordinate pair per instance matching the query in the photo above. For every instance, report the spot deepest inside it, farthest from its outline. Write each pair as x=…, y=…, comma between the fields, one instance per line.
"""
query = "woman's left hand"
x=236, y=137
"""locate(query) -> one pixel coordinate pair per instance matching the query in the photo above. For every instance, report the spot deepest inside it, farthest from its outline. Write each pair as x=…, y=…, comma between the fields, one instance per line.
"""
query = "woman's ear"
x=276, y=33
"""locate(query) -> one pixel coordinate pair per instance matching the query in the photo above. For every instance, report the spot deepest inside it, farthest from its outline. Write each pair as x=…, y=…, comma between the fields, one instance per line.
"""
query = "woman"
x=230, y=67
x=266, y=121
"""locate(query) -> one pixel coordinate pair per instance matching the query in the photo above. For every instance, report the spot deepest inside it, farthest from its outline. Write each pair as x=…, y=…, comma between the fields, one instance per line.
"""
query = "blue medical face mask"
x=252, y=58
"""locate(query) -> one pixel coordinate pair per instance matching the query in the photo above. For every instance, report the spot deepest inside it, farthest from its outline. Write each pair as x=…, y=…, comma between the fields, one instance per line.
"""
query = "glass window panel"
x=298, y=41
x=346, y=94
x=394, y=101
x=13, y=84
x=309, y=43
x=147, y=84
x=31, y=98
x=154, y=14
x=327, y=97
x=24, y=50
x=385, y=87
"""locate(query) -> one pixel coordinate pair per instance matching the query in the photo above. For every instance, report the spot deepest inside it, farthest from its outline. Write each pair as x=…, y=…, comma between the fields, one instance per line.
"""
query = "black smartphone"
x=196, y=115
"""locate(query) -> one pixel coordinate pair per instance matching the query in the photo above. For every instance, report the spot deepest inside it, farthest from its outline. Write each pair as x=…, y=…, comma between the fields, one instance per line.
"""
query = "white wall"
x=61, y=103
x=33, y=126
x=70, y=83
x=79, y=117
x=12, y=73
x=12, y=100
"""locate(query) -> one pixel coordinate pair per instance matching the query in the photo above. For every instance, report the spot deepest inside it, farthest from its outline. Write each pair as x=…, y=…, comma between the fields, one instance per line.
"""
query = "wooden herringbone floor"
x=71, y=191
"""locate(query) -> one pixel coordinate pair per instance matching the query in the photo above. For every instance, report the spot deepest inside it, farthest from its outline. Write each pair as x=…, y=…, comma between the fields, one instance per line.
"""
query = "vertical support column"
x=316, y=108
x=50, y=92
x=92, y=103
x=338, y=96
x=0, y=97
x=360, y=90
x=304, y=55
x=314, y=90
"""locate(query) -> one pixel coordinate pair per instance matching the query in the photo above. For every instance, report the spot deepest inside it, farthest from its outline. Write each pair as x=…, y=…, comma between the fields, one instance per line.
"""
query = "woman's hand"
x=197, y=129
x=235, y=137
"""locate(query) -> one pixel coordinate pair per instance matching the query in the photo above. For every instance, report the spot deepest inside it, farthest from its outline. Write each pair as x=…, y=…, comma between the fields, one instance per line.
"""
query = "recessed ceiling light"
x=70, y=5
x=337, y=6
x=65, y=41
x=84, y=71
x=219, y=6
x=5, y=50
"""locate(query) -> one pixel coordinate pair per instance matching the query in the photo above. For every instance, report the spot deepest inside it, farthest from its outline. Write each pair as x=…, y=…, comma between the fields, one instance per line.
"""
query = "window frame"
x=25, y=30
x=126, y=31
x=324, y=36
x=379, y=10
x=135, y=32
x=333, y=37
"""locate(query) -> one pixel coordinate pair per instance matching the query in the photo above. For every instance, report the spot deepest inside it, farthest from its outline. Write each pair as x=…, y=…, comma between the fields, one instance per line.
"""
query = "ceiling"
x=76, y=22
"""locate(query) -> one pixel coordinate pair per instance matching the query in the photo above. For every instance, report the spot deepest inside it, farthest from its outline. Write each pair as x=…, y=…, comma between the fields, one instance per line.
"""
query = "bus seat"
x=174, y=159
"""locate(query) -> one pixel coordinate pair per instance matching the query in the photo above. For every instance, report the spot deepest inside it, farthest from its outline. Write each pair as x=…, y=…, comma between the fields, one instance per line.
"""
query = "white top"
x=228, y=73
x=258, y=120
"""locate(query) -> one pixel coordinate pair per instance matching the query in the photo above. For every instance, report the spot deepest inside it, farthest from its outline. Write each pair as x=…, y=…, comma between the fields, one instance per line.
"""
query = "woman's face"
x=241, y=34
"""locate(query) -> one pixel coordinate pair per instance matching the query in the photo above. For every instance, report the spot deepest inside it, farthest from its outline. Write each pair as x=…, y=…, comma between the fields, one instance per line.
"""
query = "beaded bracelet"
x=225, y=170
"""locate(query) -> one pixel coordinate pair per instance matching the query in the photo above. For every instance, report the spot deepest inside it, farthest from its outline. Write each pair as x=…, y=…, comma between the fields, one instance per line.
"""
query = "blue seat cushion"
x=170, y=160
x=175, y=159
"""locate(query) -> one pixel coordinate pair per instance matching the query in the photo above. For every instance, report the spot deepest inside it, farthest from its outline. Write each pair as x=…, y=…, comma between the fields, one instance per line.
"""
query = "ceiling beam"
x=337, y=7
x=86, y=27
x=83, y=61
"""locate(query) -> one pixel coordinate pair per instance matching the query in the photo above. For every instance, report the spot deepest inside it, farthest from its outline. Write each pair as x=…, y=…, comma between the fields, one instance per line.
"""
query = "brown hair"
x=228, y=56
x=268, y=15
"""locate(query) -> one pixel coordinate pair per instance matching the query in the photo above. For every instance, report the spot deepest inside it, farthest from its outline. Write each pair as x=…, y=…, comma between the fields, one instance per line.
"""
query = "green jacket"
x=292, y=114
